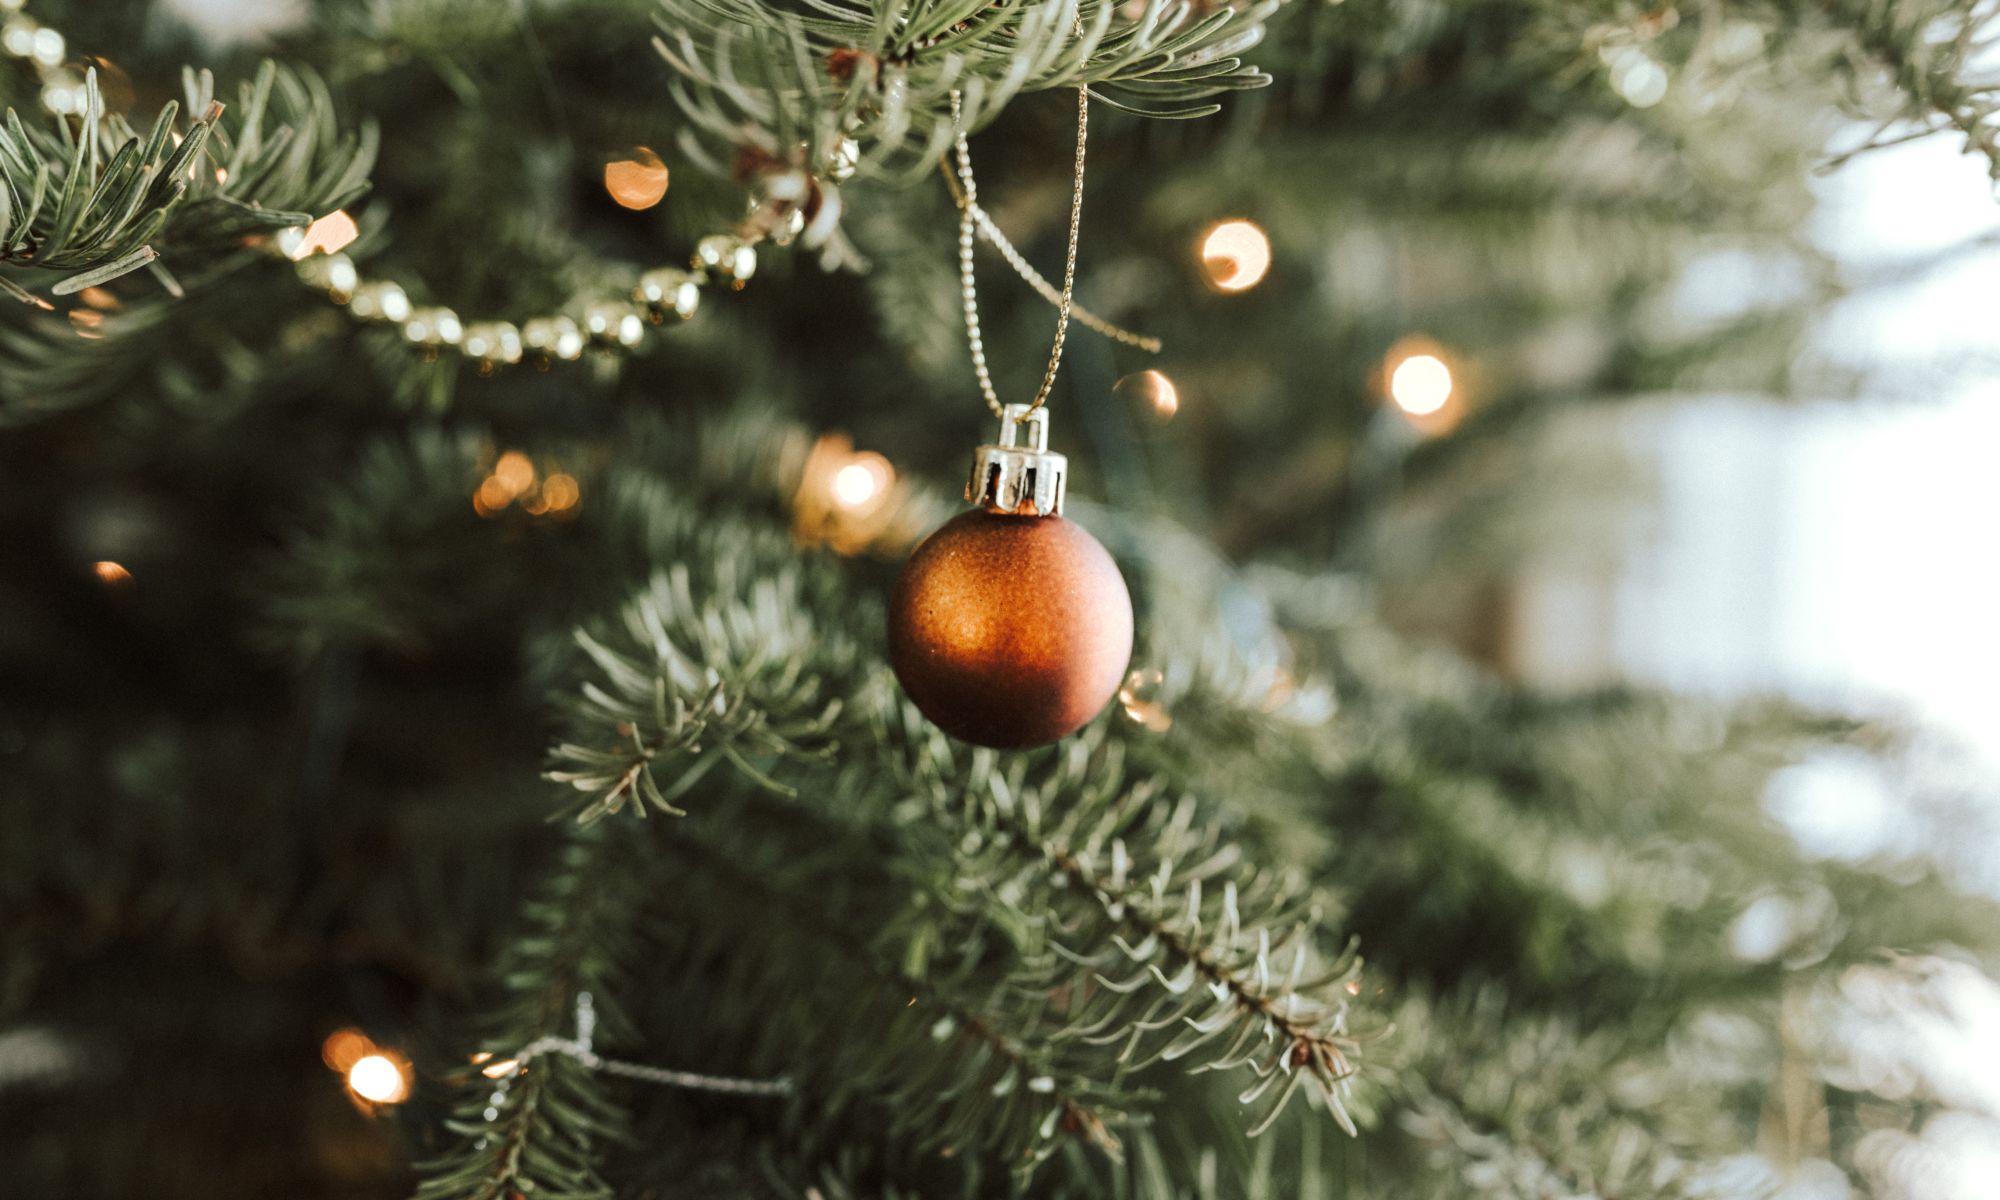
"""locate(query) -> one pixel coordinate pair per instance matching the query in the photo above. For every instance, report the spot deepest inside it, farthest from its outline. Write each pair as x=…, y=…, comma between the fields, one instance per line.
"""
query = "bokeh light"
x=1154, y=389
x=111, y=573
x=1140, y=698
x=638, y=180
x=1235, y=255
x=1420, y=384
x=847, y=499
x=515, y=472
x=861, y=482
x=378, y=1079
x=375, y=1075
x=559, y=492
x=330, y=234
x=543, y=491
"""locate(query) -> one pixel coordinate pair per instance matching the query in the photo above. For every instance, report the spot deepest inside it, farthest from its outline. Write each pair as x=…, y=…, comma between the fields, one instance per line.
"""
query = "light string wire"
x=579, y=1049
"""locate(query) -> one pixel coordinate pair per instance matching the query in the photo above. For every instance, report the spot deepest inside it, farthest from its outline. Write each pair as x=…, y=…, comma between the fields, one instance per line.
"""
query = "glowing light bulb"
x=378, y=1079
x=343, y=1046
x=515, y=471
x=1154, y=388
x=861, y=482
x=638, y=181
x=330, y=234
x=1235, y=254
x=111, y=573
x=560, y=493
x=1420, y=384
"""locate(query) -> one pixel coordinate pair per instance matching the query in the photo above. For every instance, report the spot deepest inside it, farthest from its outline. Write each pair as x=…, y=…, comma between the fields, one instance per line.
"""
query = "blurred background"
x=1543, y=338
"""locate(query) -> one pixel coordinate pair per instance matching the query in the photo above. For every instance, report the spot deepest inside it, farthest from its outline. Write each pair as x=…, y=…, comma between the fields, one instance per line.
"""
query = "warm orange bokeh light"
x=374, y=1074
x=847, y=498
x=559, y=492
x=379, y=1079
x=1154, y=389
x=859, y=484
x=514, y=477
x=1420, y=384
x=330, y=234
x=111, y=573
x=515, y=472
x=1421, y=380
x=1235, y=255
x=639, y=181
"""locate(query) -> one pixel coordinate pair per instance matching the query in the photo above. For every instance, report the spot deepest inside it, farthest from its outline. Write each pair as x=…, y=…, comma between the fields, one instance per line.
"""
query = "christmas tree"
x=458, y=458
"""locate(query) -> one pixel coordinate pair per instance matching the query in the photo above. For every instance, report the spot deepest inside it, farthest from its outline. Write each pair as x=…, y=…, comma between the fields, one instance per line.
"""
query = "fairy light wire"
x=579, y=1049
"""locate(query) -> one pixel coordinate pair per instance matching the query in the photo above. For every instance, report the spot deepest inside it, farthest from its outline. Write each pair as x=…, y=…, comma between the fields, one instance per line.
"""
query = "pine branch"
x=541, y=1134
x=773, y=79
x=721, y=679
x=91, y=200
x=277, y=159
x=1504, y=1107
x=951, y=1062
x=1933, y=52
x=1159, y=940
x=87, y=201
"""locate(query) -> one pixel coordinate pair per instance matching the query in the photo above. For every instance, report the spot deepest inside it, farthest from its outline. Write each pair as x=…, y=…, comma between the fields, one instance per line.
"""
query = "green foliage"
x=883, y=74
x=299, y=750
x=543, y=1134
x=88, y=200
x=277, y=159
x=91, y=200
x=720, y=678
x=1931, y=51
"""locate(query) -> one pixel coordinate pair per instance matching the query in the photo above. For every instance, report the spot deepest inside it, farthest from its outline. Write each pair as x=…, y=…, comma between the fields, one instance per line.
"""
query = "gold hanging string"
x=968, y=235
x=1043, y=288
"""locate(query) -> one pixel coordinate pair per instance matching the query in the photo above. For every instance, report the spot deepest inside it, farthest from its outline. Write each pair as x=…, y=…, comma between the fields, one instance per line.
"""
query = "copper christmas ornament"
x=1011, y=626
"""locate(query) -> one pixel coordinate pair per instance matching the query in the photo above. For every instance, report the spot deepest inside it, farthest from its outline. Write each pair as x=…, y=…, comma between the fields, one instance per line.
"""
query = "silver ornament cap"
x=1014, y=477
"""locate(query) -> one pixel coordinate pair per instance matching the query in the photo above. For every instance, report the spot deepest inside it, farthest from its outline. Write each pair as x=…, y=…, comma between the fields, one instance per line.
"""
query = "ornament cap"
x=1016, y=479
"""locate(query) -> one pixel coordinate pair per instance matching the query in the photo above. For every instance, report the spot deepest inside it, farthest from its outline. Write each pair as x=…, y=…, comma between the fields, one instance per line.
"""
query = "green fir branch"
x=780, y=78
x=1938, y=57
x=543, y=1133
x=949, y=1063
x=719, y=679
x=92, y=199
x=1165, y=942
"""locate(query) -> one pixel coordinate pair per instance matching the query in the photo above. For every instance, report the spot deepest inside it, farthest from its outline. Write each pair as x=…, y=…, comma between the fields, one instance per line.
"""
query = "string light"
x=375, y=1075
x=1421, y=381
x=1153, y=388
x=330, y=234
x=514, y=477
x=1235, y=254
x=847, y=498
x=378, y=1079
x=861, y=482
x=1420, y=384
x=638, y=181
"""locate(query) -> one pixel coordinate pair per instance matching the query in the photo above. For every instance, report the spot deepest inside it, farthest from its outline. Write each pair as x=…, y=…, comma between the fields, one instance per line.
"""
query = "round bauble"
x=1010, y=630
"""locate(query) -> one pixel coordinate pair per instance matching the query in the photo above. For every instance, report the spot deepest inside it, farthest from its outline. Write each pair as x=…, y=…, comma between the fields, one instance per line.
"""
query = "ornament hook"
x=1016, y=479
